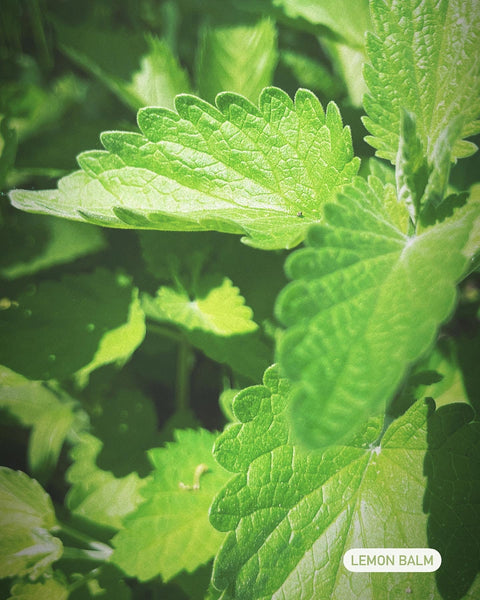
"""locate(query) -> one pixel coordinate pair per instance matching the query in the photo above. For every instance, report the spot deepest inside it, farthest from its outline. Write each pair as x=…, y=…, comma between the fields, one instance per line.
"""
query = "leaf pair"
x=291, y=514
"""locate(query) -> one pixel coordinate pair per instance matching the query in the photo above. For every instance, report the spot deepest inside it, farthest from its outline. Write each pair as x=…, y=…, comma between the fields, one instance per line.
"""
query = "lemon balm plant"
x=204, y=415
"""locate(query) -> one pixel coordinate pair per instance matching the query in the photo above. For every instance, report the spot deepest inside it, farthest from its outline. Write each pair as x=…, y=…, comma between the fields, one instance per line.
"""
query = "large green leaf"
x=170, y=531
x=292, y=514
x=366, y=302
x=265, y=172
x=425, y=58
x=236, y=58
x=26, y=516
x=100, y=311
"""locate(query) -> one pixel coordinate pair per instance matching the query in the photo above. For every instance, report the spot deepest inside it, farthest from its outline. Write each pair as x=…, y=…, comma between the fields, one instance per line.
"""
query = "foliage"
x=187, y=416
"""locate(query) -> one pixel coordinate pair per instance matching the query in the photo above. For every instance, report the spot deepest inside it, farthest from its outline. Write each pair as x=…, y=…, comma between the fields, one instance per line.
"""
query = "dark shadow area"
x=452, y=496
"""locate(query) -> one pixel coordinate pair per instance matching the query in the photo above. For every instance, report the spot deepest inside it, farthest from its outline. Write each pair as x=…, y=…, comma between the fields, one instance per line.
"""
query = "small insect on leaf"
x=199, y=471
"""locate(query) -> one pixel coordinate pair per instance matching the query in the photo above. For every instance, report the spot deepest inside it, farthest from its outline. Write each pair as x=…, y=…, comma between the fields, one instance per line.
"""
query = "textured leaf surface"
x=237, y=58
x=170, y=531
x=264, y=172
x=219, y=309
x=26, y=515
x=425, y=58
x=35, y=405
x=366, y=302
x=291, y=514
x=99, y=310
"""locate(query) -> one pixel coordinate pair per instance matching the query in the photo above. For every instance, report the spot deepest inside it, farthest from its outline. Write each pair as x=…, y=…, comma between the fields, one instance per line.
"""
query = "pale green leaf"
x=160, y=77
x=52, y=415
x=449, y=387
x=26, y=516
x=29, y=244
x=50, y=589
x=96, y=494
x=170, y=531
x=117, y=345
x=348, y=64
x=347, y=19
x=99, y=310
x=139, y=70
x=263, y=172
x=237, y=58
x=310, y=73
x=247, y=353
x=216, y=307
x=365, y=303
x=291, y=514
x=425, y=58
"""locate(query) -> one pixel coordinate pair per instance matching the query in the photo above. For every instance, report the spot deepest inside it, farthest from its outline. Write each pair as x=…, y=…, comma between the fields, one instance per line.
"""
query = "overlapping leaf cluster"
x=117, y=344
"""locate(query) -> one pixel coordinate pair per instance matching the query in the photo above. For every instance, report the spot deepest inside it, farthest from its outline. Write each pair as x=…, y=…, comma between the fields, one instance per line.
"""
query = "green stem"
x=93, y=574
x=83, y=538
x=184, y=364
x=39, y=34
x=184, y=368
x=164, y=331
x=101, y=554
x=171, y=21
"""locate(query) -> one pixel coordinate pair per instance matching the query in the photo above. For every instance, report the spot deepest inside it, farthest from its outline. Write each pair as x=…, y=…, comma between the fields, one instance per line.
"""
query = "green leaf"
x=348, y=20
x=450, y=387
x=170, y=531
x=50, y=589
x=118, y=344
x=100, y=311
x=366, y=302
x=422, y=186
x=348, y=63
x=140, y=71
x=217, y=307
x=291, y=514
x=109, y=461
x=50, y=416
x=96, y=494
x=310, y=73
x=247, y=353
x=160, y=77
x=30, y=244
x=265, y=172
x=26, y=516
x=424, y=59
x=156, y=82
x=237, y=58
